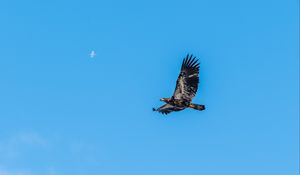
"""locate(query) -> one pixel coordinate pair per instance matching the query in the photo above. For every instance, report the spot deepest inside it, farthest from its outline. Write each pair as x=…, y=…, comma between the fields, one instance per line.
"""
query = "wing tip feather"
x=190, y=61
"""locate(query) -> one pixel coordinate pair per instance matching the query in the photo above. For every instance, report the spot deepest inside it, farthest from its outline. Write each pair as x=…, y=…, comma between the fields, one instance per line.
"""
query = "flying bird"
x=92, y=54
x=186, y=88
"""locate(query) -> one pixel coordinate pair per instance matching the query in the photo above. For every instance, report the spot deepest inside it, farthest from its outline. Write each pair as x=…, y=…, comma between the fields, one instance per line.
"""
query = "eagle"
x=186, y=88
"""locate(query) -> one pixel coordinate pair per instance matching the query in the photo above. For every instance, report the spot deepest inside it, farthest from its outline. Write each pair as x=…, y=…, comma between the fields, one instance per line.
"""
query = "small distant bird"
x=92, y=54
x=186, y=88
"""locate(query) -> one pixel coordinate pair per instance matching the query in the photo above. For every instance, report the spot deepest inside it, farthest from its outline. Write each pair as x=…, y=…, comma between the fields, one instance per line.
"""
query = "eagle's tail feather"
x=197, y=107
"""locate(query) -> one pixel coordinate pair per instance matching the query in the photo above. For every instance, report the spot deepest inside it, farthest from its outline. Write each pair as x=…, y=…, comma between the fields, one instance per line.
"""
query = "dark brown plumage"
x=186, y=88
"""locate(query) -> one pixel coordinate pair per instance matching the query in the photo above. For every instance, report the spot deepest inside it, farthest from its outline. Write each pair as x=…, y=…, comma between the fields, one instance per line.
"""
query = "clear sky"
x=65, y=113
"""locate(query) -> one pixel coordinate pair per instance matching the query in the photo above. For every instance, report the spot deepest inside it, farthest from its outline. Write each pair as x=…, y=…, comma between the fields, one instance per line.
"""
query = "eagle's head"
x=165, y=100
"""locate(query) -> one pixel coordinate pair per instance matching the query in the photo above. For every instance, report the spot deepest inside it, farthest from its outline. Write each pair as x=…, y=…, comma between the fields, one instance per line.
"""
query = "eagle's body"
x=186, y=88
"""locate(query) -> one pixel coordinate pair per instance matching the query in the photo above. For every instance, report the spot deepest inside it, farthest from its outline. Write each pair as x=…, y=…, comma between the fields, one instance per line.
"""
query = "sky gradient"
x=64, y=113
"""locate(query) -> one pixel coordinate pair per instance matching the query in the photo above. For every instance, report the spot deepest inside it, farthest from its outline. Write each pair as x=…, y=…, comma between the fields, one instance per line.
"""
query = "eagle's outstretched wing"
x=166, y=109
x=188, y=79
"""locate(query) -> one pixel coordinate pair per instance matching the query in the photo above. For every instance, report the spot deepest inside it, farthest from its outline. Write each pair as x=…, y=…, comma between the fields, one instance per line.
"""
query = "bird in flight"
x=92, y=54
x=186, y=88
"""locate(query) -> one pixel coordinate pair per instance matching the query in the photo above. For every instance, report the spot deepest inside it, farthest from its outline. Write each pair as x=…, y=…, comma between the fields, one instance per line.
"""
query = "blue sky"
x=64, y=113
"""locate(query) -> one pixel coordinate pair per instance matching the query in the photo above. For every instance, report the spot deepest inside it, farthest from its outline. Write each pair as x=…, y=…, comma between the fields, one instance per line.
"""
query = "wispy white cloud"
x=5, y=171
x=10, y=147
x=51, y=171
x=32, y=138
x=12, y=172
x=16, y=146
